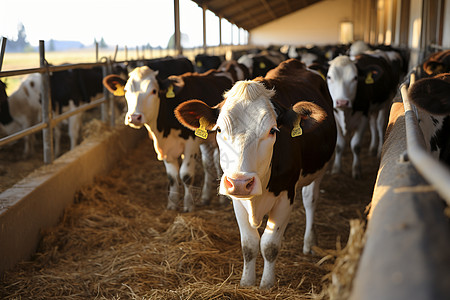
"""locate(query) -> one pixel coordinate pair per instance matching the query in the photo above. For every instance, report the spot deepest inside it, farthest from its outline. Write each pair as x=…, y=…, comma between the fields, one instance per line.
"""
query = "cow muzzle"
x=241, y=186
x=134, y=120
x=341, y=103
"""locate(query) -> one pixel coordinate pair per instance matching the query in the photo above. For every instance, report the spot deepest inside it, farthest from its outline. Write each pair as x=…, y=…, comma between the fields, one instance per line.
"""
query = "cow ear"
x=115, y=84
x=372, y=74
x=171, y=86
x=189, y=113
x=303, y=117
x=433, y=67
x=432, y=94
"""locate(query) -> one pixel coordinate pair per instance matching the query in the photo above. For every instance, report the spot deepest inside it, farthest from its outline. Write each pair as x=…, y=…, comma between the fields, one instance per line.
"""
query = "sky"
x=119, y=22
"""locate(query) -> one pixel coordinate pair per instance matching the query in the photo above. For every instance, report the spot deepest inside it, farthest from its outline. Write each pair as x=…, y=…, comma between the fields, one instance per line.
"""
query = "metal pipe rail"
x=432, y=170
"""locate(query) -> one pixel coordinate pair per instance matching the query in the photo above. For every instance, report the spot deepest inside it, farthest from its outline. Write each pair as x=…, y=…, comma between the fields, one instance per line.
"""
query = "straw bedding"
x=117, y=241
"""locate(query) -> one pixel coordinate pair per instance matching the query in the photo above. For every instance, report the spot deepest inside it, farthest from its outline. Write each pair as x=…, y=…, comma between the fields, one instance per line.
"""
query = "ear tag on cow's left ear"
x=170, y=93
x=369, y=79
x=297, y=130
x=199, y=64
x=119, y=91
x=201, y=132
x=262, y=65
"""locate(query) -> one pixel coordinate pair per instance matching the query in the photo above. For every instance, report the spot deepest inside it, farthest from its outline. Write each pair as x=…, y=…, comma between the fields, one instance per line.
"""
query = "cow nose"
x=135, y=119
x=239, y=187
x=342, y=103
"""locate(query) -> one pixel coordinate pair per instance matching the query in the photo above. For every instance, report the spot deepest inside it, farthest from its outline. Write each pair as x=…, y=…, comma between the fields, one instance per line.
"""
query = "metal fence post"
x=2, y=51
x=47, y=132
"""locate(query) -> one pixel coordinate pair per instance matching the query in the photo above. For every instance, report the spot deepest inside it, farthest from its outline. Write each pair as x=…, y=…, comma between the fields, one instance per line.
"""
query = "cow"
x=69, y=89
x=204, y=62
x=432, y=98
x=237, y=71
x=22, y=110
x=151, y=103
x=166, y=66
x=259, y=64
x=361, y=91
x=274, y=134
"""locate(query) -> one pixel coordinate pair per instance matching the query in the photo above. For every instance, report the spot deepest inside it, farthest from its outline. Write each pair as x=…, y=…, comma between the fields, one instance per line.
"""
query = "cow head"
x=247, y=123
x=141, y=93
x=342, y=80
x=432, y=94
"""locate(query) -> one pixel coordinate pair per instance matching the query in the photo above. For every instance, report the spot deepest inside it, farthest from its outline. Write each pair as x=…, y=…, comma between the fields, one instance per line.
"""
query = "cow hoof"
x=205, y=201
x=188, y=209
x=357, y=176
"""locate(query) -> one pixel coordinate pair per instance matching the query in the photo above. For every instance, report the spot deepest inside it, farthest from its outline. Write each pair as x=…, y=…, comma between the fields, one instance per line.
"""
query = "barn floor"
x=117, y=241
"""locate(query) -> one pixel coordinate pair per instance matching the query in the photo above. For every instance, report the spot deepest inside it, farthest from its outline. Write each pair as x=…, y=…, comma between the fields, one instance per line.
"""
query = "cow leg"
x=57, y=139
x=210, y=181
x=222, y=199
x=373, y=133
x=249, y=243
x=187, y=172
x=340, y=146
x=381, y=128
x=74, y=127
x=355, y=145
x=272, y=236
x=310, y=196
x=172, y=169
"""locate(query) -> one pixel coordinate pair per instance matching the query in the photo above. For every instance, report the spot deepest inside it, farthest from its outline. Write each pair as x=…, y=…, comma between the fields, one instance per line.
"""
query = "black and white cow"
x=151, y=104
x=275, y=134
x=166, y=66
x=259, y=64
x=237, y=71
x=361, y=91
x=22, y=110
x=432, y=98
x=204, y=62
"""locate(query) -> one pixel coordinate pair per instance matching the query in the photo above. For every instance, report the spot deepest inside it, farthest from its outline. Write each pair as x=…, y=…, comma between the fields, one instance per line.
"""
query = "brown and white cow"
x=361, y=91
x=275, y=134
x=151, y=103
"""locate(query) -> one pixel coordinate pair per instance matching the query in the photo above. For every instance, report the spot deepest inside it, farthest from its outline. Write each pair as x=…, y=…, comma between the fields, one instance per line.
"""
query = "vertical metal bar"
x=115, y=52
x=96, y=51
x=204, y=28
x=2, y=51
x=220, y=32
x=106, y=95
x=47, y=133
x=176, y=8
x=126, y=53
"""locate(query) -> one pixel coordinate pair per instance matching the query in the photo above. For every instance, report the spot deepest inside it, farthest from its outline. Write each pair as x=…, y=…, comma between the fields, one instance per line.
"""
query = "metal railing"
x=48, y=121
x=435, y=172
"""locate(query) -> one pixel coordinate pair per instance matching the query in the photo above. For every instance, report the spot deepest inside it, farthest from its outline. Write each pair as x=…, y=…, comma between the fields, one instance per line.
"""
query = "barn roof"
x=249, y=14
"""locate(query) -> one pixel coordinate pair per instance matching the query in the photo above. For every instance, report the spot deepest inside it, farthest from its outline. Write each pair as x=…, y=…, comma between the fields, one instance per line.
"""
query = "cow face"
x=141, y=93
x=342, y=80
x=246, y=123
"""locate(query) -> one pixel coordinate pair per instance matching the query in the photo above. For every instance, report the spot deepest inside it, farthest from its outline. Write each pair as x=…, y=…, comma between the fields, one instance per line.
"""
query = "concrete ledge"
x=38, y=201
x=406, y=255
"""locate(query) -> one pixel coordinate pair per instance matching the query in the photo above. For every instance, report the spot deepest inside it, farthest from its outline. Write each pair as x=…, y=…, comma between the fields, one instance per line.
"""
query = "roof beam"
x=268, y=8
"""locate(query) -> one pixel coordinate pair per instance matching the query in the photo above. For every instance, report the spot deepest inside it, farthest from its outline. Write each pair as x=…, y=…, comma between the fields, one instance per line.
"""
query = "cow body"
x=361, y=91
x=24, y=109
x=151, y=104
x=262, y=162
x=259, y=64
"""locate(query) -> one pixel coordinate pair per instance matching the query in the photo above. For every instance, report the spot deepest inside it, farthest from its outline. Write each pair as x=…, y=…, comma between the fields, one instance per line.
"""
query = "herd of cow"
x=264, y=124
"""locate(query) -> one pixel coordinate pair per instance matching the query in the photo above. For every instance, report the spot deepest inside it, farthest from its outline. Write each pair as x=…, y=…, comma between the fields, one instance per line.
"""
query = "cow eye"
x=273, y=131
x=153, y=91
x=218, y=130
x=356, y=78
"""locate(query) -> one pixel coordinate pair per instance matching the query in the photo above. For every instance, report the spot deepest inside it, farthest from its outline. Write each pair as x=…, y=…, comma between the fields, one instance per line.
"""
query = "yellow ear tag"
x=369, y=79
x=321, y=75
x=201, y=131
x=199, y=64
x=262, y=65
x=119, y=90
x=297, y=130
x=170, y=93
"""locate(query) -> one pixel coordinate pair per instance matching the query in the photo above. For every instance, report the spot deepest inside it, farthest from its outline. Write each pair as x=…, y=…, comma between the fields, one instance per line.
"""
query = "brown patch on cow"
x=271, y=252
